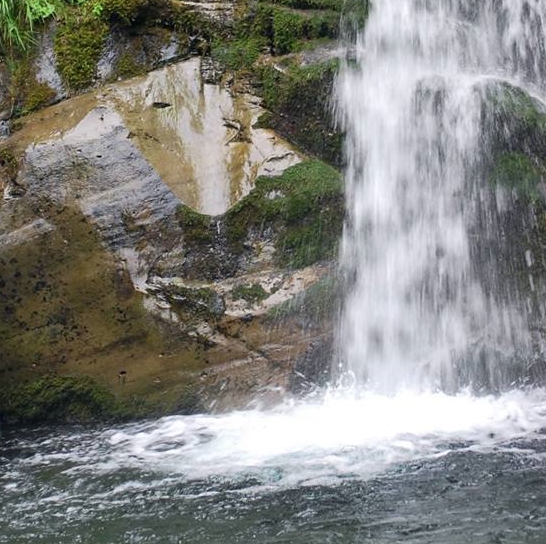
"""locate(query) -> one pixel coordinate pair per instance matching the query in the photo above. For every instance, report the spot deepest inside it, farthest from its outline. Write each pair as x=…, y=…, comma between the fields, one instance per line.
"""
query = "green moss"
x=264, y=121
x=317, y=302
x=334, y=5
x=197, y=227
x=126, y=66
x=287, y=28
x=38, y=96
x=26, y=93
x=78, y=45
x=519, y=172
x=515, y=103
x=299, y=99
x=251, y=293
x=9, y=162
x=305, y=208
x=239, y=54
x=124, y=11
x=61, y=399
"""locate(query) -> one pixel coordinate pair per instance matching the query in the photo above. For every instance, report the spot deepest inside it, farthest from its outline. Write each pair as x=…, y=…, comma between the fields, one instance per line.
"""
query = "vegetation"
x=520, y=173
x=78, y=45
x=305, y=208
x=251, y=293
x=18, y=18
x=197, y=227
x=239, y=54
x=516, y=129
x=61, y=399
x=316, y=303
x=299, y=99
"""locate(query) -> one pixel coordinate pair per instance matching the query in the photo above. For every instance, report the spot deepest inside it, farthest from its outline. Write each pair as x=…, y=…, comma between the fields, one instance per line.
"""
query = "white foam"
x=343, y=435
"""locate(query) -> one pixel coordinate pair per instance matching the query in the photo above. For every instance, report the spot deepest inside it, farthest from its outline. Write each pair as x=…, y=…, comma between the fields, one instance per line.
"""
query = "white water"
x=422, y=312
x=340, y=436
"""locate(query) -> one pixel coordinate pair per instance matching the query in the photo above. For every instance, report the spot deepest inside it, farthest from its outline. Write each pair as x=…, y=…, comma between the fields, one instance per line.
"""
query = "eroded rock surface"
x=106, y=272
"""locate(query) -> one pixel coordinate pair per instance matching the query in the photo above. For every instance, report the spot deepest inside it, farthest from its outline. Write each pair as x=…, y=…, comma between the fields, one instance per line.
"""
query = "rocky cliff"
x=167, y=239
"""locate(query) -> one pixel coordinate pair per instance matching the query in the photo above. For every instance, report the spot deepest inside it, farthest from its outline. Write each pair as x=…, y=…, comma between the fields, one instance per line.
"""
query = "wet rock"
x=215, y=11
x=204, y=147
x=96, y=166
x=46, y=65
x=26, y=233
x=135, y=280
x=4, y=129
x=312, y=369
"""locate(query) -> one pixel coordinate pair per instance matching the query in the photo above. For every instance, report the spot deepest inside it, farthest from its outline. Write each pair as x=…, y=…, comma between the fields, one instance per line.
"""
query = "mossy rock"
x=299, y=212
x=514, y=120
x=299, y=100
x=127, y=66
x=521, y=173
x=195, y=303
x=79, y=42
x=252, y=294
x=303, y=207
x=61, y=399
x=514, y=140
x=197, y=227
x=315, y=304
x=124, y=11
x=238, y=54
x=26, y=93
x=9, y=163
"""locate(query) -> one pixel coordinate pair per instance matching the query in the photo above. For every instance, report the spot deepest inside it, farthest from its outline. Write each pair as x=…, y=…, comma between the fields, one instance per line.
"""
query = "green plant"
x=239, y=54
x=17, y=20
x=78, y=45
x=251, y=293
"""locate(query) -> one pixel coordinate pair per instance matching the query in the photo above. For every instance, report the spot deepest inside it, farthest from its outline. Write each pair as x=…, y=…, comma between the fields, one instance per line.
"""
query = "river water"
x=441, y=436
x=342, y=468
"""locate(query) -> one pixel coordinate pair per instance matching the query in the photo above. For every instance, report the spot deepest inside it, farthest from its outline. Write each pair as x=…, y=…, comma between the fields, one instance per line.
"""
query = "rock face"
x=107, y=273
x=199, y=137
x=161, y=249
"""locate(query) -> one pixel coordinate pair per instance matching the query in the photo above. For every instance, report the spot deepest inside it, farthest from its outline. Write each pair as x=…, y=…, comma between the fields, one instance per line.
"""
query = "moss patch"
x=61, y=399
x=253, y=294
x=127, y=66
x=303, y=206
x=79, y=42
x=197, y=227
x=299, y=99
x=239, y=54
x=519, y=172
x=26, y=94
x=317, y=303
x=9, y=164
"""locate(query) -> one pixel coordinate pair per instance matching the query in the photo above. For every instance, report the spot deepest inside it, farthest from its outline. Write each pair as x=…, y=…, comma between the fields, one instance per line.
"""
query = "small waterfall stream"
x=426, y=307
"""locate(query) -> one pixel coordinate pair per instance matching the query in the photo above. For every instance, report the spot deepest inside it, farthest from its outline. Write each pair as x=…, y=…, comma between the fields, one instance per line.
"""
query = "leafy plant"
x=18, y=18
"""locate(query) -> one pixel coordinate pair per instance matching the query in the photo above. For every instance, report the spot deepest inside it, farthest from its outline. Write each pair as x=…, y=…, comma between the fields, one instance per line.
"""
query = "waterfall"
x=428, y=306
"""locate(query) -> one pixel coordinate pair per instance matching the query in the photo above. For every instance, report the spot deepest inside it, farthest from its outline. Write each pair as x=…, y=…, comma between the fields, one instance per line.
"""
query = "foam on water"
x=342, y=435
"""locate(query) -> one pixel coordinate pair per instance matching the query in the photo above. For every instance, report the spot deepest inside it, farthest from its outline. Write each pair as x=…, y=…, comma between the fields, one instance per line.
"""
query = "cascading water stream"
x=426, y=309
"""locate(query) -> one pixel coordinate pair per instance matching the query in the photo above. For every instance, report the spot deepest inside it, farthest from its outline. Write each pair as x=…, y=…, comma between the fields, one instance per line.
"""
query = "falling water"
x=427, y=306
